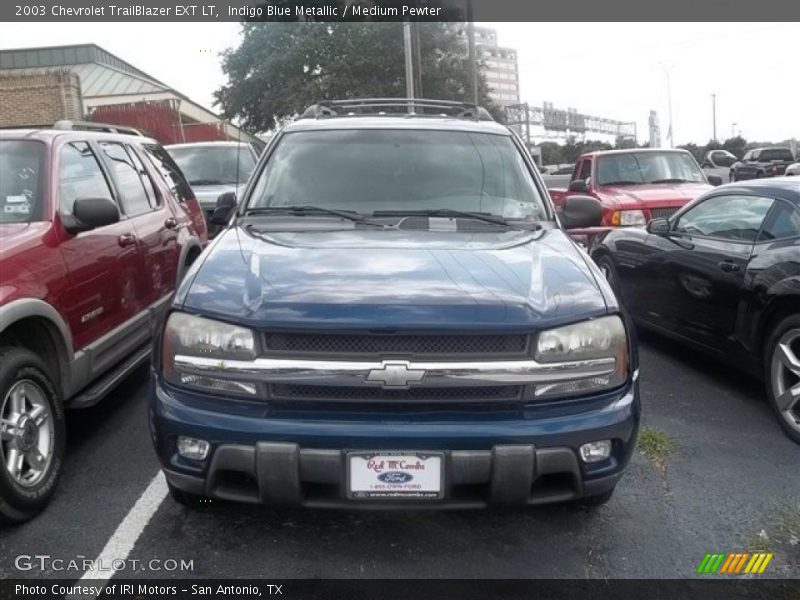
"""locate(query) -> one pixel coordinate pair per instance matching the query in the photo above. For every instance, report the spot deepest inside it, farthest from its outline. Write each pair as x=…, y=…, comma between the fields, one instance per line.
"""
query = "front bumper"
x=519, y=461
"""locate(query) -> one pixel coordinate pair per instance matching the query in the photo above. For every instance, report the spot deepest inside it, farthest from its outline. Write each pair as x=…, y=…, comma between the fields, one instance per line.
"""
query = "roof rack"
x=417, y=107
x=89, y=126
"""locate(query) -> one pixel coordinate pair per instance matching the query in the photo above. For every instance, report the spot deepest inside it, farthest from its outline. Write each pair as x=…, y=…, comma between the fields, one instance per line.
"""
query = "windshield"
x=369, y=170
x=647, y=167
x=21, y=170
x=776, y=154
x=214, y=165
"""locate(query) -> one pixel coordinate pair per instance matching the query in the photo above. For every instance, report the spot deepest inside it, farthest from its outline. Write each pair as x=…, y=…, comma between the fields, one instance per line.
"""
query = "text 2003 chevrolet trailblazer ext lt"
x=395, y=317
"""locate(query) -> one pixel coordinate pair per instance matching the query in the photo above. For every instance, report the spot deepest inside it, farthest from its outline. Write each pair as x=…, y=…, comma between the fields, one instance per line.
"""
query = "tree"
x=551, y=153
x=736, y=146
x=281, y=68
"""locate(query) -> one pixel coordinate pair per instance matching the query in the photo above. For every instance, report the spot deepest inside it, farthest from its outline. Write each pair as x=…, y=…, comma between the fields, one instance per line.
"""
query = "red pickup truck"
x=96, y=230
x=637, y=185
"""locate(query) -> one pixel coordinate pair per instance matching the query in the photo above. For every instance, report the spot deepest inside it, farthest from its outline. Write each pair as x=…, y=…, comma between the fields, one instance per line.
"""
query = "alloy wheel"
x=26, y=433
x=785, y=375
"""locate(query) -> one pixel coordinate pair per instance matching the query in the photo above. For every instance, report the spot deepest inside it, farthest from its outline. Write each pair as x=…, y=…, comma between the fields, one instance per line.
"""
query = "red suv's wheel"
x=31, y=435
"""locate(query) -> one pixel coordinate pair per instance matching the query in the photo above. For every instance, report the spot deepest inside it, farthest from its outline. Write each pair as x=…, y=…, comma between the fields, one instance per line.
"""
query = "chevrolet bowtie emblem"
x=395, y=375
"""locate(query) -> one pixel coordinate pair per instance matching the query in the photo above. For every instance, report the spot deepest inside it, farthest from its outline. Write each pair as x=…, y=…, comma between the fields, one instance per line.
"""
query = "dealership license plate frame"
x=388, y=495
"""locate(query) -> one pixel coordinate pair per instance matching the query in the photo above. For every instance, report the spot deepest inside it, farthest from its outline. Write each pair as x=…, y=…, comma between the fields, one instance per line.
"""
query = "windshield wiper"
x=206, y=182
x=301, y=211
x=673, y=180
x=622, y=182
x=448, y=212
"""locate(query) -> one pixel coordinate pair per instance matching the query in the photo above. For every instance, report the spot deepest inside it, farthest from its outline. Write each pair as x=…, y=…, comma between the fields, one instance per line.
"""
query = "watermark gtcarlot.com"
x=81, y=564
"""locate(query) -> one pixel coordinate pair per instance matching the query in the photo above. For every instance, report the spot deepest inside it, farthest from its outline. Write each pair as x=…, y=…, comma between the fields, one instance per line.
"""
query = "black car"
x=762, y=162
x=723, y=275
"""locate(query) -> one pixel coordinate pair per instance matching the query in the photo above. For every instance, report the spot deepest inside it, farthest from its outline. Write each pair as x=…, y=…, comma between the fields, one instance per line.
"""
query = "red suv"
x=96, y=229
x=637, y=185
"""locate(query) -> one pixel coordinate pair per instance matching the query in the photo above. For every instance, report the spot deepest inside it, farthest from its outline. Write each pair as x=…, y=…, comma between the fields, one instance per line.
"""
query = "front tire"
x=609, y=269
x=782, y=366
x=32, y=435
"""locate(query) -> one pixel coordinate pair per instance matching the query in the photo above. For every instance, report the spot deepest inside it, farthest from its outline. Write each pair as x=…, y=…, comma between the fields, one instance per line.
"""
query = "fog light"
x=596, y=451
x=192, y=448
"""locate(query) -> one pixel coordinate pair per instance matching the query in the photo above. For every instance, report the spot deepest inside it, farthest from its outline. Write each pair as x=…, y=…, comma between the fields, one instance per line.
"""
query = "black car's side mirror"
x=226, y=204
x=578, y=185
x=714, y=180
x=89, y=213
x=658, y=226
x=581, y=211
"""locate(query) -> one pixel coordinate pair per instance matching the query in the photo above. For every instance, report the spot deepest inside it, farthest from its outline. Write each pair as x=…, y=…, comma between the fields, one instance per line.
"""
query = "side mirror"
x=581, y=211
x=89, y=213
x=658, y=226
x=578, y=185
x=226, y=204
x=714, y=180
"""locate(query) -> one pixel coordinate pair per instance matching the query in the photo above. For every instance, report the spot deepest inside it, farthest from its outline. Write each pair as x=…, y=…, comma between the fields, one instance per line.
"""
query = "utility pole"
x=473, y=66
x=733, y=127
x=670, y=131
x=409, y=61
x=714, y=114
x=415, y=43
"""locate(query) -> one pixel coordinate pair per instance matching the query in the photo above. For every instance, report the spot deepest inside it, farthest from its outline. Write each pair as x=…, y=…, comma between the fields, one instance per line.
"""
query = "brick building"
x=42, y=85
x=39, y=98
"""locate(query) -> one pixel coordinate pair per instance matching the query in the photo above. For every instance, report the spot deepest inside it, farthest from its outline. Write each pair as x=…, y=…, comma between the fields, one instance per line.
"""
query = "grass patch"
x=657, y=446
x=783, y=527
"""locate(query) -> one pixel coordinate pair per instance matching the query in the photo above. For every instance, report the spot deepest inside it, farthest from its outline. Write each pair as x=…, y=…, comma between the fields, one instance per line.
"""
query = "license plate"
x=395, y=475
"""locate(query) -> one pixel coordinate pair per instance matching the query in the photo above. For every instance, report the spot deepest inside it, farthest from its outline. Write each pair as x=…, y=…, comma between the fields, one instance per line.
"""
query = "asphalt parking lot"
x=731, y=475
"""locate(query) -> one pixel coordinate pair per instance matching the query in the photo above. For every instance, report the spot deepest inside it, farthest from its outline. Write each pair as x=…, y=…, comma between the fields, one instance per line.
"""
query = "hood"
x=652, y=195
x=207, y=194
x=384, y=280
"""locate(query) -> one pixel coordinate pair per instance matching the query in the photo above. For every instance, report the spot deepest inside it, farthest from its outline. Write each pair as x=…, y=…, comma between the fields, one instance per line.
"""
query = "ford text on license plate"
x=395, y=475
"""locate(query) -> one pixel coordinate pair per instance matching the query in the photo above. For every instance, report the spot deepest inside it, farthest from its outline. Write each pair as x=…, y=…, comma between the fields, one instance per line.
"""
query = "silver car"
x=793, y=169
x=214, y=168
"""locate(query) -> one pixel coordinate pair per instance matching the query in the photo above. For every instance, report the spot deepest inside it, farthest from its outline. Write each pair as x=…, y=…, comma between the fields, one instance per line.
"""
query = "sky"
x=613, y=70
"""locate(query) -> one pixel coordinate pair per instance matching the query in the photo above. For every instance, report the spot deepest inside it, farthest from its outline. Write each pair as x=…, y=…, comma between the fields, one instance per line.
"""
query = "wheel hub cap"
x=26, y=433
x=786, y=377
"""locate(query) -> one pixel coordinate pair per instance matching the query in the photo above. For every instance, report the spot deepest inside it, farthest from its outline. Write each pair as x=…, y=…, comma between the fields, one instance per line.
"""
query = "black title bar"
x=715, y=588
x=399, y=10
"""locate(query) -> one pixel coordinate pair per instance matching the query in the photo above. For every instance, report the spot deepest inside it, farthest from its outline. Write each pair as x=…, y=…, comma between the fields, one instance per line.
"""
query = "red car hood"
x=651, y=195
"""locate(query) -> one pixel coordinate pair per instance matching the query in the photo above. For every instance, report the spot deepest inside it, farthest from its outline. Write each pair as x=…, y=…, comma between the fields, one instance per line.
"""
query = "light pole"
x=409, y=59
x=733, y=128
x=670, y=131
x=714, y=114
x=473, y=66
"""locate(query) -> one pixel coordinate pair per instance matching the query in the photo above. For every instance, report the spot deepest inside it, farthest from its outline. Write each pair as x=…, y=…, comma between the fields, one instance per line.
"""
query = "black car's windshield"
x=776, y=154
x=371, y=170
x=647, y=167
x=214, y=164
x=21, y=177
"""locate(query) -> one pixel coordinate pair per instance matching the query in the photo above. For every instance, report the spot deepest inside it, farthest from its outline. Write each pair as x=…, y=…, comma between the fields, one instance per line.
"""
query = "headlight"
x=189, y=335
x=602, y=338
x=628, y=218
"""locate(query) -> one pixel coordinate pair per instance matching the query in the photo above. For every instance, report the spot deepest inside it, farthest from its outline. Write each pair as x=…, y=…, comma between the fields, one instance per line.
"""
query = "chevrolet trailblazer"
x=394, y=316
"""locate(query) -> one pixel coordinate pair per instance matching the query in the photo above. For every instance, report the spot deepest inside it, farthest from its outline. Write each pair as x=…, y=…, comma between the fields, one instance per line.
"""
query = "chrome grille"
x=405, y=345
x=423, y=394
x=662, y=213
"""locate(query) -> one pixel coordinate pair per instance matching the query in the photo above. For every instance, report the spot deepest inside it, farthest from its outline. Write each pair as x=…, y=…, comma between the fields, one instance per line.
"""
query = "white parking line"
x=121, y=543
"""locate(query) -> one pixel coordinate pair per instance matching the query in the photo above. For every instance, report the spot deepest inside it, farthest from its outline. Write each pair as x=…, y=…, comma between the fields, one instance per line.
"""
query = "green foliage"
x=551, y=153
x=281, y=68
x=656, y=444
x=573, y=149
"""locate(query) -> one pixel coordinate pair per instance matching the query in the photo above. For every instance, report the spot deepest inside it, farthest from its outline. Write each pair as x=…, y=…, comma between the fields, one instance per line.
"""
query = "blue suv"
x=394, y=316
